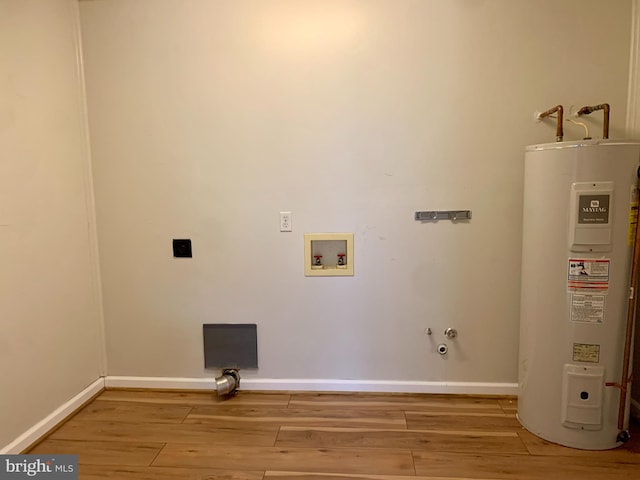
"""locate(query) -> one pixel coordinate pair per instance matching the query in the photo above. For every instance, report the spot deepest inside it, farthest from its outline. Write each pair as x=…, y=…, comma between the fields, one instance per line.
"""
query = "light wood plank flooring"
x=148, y=435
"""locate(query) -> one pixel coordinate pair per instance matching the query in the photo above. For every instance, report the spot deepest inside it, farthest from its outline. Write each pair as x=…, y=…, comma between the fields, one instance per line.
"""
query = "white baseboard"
x=172, y=383
x=635, y=409
x=54, y=418
x=315, y=385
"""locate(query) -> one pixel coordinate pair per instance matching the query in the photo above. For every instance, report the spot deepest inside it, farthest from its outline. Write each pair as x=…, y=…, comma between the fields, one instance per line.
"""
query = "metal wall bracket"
x=436, y=215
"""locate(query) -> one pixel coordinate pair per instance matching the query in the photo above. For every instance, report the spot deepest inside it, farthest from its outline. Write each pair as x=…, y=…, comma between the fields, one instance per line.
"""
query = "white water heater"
x=580, y=209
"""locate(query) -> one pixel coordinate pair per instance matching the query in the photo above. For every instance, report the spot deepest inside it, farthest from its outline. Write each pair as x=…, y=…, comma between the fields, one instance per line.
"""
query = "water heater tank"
x=580, y=209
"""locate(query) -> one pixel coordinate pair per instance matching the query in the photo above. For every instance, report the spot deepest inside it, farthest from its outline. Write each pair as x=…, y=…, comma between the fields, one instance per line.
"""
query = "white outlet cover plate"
x=286, y=224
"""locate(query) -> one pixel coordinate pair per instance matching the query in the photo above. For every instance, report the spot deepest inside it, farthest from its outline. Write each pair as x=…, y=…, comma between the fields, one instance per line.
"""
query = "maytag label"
x=593, y=209
x=53, y=467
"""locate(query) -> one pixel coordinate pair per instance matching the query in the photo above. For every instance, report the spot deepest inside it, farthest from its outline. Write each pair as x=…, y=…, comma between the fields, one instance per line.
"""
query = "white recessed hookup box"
x=328, y=254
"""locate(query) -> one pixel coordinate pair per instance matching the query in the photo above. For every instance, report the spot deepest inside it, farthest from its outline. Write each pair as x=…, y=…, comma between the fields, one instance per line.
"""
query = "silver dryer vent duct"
x=228, y=382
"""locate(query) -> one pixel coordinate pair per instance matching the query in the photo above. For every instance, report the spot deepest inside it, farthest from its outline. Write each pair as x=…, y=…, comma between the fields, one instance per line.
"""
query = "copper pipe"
x=603, y=106
x=628, y=339
x=559, y=109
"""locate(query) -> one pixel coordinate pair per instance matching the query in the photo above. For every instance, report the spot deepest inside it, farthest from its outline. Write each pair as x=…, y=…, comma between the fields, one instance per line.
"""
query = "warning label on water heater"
x=584, y=352
x=587, y=308
x=588, y=275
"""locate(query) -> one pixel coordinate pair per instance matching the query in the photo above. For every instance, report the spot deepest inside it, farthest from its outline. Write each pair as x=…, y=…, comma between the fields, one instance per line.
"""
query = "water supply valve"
x=451, y=332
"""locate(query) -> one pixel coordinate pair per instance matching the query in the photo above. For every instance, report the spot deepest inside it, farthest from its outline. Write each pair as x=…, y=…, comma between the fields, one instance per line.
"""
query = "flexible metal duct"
x=228, y=382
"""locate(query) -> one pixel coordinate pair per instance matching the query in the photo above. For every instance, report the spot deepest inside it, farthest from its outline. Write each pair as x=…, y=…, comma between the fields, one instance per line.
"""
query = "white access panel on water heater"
x=590, y=221
x=582, y=397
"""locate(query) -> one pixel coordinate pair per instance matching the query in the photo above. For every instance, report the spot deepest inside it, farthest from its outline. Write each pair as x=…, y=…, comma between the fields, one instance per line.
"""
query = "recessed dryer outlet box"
x=328, y=254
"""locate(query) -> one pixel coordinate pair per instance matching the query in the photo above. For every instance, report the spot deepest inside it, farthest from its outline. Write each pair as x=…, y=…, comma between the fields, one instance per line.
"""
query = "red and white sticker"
x=588, y=275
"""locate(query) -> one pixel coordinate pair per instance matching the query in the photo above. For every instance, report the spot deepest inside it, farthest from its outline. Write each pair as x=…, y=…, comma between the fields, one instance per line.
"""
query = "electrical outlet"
x=182, y=247
x=285, y=222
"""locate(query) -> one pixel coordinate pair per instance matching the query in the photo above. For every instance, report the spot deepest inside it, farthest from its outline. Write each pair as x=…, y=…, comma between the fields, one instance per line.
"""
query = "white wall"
x=210, y=117
x=50, y=345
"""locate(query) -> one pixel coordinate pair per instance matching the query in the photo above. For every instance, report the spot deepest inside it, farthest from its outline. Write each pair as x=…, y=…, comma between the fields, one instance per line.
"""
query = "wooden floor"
x=272, y=436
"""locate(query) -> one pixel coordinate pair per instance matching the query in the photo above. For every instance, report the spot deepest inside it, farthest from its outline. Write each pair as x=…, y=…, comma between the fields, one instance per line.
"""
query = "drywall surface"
x=50, y=346
x=208, y=118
